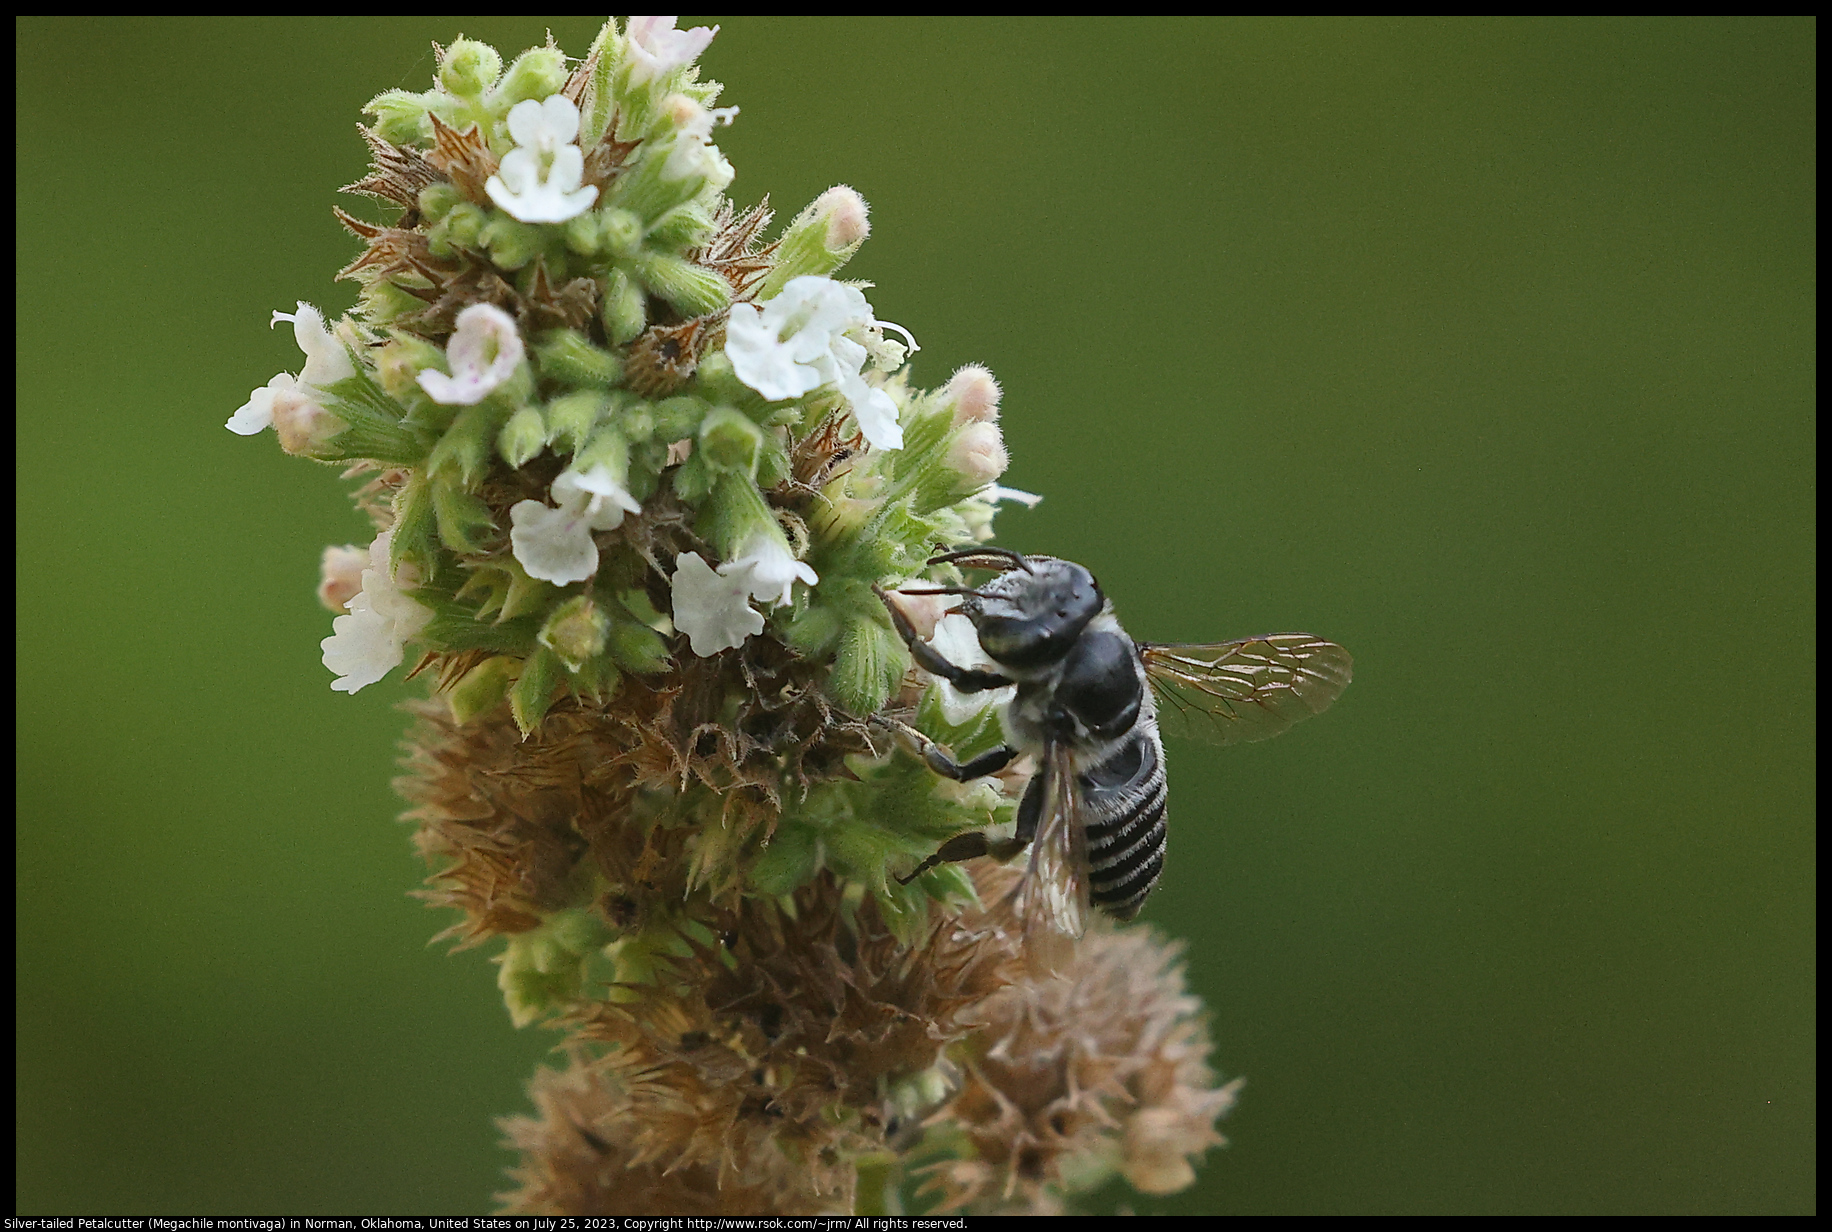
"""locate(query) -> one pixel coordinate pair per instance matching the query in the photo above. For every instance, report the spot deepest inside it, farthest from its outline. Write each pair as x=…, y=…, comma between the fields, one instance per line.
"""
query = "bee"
x=1093, y=813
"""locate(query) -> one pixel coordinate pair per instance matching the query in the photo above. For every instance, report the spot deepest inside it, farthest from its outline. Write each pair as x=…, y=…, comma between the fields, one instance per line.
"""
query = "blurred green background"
x=1482, y=347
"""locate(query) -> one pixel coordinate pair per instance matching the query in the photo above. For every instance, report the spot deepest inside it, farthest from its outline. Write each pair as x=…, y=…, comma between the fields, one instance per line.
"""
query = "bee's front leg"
x=965, y=679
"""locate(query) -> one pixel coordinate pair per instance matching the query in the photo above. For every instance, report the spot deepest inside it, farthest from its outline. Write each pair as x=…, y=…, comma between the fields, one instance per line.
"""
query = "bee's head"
x=1032, y=613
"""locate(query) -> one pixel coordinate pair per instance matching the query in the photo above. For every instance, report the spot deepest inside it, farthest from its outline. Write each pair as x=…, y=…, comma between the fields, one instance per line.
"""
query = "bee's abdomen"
x=1125, y=800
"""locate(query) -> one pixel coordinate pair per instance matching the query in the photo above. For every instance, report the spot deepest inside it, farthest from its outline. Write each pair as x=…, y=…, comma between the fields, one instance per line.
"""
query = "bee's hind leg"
x=967, y=847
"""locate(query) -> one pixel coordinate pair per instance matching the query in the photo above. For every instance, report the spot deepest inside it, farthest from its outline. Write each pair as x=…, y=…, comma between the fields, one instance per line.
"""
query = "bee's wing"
x=1245, y=690
x=1050, y=900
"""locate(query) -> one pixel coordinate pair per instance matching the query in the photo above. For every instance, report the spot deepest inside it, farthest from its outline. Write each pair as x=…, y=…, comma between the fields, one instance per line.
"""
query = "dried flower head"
x=1073, y=1078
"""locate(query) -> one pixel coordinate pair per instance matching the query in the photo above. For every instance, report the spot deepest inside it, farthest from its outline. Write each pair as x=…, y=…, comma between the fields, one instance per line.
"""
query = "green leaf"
x=534, y=691
x=464, y=520
x=414, y=525
x=792, y=857
x=377, y=429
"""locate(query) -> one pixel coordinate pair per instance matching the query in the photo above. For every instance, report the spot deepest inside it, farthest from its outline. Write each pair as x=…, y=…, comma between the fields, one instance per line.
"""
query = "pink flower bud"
x=340, y=575
x=978, y=454
x=924, y=610
x=304, y=427
x=975, y=395
x=845, y=213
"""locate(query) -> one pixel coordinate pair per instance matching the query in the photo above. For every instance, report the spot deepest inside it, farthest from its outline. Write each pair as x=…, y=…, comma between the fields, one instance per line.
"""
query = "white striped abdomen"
x=1123, y=809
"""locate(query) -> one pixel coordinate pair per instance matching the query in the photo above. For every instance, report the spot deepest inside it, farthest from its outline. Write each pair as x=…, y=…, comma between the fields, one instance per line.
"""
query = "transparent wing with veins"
x=1050, y=900
x=1228, y=692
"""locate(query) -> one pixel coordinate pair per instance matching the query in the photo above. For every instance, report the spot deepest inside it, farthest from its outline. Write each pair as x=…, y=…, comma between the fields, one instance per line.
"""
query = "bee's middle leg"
x=943, y=763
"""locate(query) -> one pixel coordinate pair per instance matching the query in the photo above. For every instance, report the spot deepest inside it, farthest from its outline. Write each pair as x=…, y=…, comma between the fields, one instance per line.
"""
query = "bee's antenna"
x=999, y=559
x=939, y=590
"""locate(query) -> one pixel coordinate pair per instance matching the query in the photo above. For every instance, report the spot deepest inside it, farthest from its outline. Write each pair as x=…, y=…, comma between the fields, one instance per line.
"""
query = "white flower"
x=657, y=48
x=713, y=610
x=326, y=363
x=482, y=354
x=555, y=545
x=544, y=127
x=798, y=342
x=539, y=179
x=768, y=569
x=368, y=643
x=956, y=641
x=694, y=154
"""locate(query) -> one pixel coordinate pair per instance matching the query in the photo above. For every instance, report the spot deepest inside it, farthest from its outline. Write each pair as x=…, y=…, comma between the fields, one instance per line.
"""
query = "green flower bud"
x=773, y=462
x=576, y=631
x=438, y=200
x=732, y=513
x=679, y=417
x=646, y=191
x=483, y=688
x=566, y=356
x=622, y=309
x=582, y=234
x=637, y=421
x=544, y=969
x=717, y=380
x=684, y=226
x=469, y=69
x=838, y=515
x=464, y=451
x=607, y=448
x=400, y=362
x=619, y=232
x=637, y=648
x=816, y=629
x=693, y=290
x=869, y=665
x=536, y=74
x=598, y=678
x=821, y=239
x=572, y=417
x=381, y=302
x=400, y=117
x=522, y=437
x=693, y=479
x=460, y=230
x=511, y=244
x=730, y=441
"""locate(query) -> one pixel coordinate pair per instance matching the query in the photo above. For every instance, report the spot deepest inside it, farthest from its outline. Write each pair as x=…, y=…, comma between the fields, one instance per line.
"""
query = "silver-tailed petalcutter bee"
x=1093, y=814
